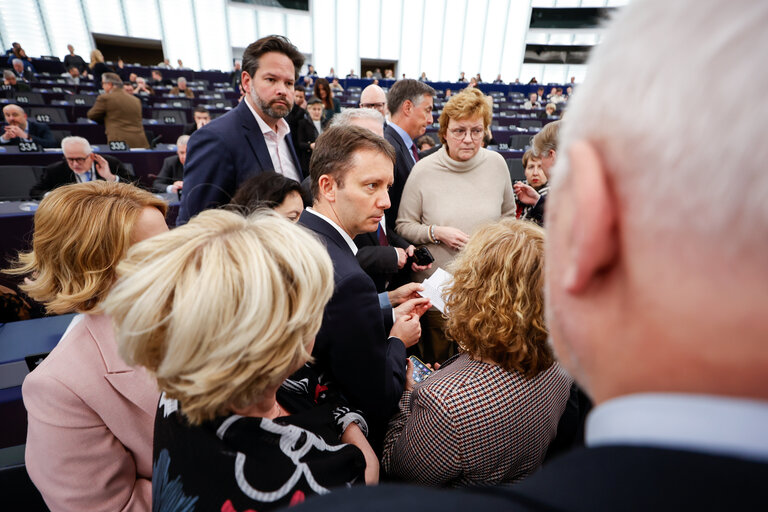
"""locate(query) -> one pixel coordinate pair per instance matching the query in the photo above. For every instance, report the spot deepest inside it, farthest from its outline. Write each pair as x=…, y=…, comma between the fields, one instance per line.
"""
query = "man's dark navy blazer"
x=220, y=156
x=352, y=349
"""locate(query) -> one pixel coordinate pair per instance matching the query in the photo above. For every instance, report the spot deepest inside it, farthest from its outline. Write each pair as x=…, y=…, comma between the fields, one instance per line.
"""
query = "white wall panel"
x=143, y=19
x=493, y=42
x=453, y=35
x=324, y=30
x=299, y=31
x=66, y=25
x=270, y=22
x=105, y=16
x=518, y=20
x=413, y=34
x=242, y=25
x=391, y=26
x=347, y=38
x=370, y=31
x=180, y=41
x=554, y=74
x=215, y=50
x=528, y=71
x=434, y=13
x=474, y=36
x=21, y=23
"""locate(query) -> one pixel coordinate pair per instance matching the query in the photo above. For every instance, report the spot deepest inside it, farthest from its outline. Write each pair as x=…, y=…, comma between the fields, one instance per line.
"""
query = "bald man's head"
x=374, y=97
x=15, y=115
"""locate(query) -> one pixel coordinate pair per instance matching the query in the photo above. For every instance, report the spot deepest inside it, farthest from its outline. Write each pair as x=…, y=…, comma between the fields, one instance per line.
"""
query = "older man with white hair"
x=171, y=177
x=21, y=71
x=80, y=165
x=656, y=274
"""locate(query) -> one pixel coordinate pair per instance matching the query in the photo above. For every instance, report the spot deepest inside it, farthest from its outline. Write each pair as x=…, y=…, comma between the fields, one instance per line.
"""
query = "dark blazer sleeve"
x=167, y=174
x=53, y=176
x=397, y=240
x=403, y=165
x=210, y=175
x=375, y=258
x=41, y=134
x=369, y=368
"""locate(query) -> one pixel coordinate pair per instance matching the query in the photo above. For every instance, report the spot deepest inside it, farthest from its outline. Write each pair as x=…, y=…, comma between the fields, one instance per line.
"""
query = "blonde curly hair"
x=495, y=304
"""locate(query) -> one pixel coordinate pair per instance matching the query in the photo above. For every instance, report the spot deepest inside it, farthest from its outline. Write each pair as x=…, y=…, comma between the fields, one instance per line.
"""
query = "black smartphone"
x=421, y=256
x=420, y=370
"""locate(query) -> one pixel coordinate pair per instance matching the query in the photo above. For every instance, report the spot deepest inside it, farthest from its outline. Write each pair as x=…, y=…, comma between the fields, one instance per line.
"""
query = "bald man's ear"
x=594, y=233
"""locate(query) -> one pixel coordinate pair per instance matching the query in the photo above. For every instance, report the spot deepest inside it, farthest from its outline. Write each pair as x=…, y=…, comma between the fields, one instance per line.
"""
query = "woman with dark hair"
x=488, y=415
x=270, y=190
x=331, y=105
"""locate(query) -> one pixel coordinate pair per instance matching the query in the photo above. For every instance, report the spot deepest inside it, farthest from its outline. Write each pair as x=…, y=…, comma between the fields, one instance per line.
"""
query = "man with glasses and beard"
x=253, y=137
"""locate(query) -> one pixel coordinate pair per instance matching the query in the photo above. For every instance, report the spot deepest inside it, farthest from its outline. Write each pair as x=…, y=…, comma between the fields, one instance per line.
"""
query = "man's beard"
x=272, y=109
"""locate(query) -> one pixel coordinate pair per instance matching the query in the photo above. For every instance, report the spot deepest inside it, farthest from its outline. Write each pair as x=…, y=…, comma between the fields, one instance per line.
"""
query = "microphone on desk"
x=153, y=142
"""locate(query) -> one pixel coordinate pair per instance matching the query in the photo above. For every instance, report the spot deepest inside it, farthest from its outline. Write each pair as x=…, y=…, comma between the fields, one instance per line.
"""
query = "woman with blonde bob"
x=90, y=415
x=222, y=311
x=488, y=415
x=451, y=193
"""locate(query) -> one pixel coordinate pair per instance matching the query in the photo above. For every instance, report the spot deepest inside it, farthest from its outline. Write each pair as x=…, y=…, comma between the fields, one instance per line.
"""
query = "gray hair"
x=181, y=79
x=112, y=78
x=182, y=140
x=664, y=165
x=74, y=140
x=347, y=115
x=7, y=73
x=14, y=61
x=407, y=89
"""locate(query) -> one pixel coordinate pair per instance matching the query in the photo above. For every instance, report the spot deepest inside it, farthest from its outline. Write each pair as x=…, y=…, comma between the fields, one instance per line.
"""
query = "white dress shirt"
x=279, y=151
x=704, y=423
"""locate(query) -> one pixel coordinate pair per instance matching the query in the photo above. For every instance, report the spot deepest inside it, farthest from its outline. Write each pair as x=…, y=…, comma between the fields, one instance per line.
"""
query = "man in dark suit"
x=18, y=128
x=308, y=129
x=251, y=138
x=410, y=105
x=80, y=165
x=299, y=110
x=200, y=118
x=120, y=112
x=662, y=323
x=171, y=176
x=21, y=71
x=350, y=172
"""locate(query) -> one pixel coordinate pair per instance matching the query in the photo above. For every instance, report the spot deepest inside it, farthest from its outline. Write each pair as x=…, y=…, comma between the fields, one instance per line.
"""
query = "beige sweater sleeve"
x=409, y=217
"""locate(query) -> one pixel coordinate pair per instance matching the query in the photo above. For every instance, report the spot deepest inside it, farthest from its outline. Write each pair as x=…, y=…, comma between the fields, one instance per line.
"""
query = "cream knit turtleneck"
x=445, y=192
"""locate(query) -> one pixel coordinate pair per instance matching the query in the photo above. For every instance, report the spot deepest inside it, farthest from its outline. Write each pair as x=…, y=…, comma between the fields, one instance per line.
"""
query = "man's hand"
x=404, y=293
x=417, y=307
x=415, y=266
x=408, y=329
x=402, y=257
x=177, y=185
x=12, y=131
x=525, y=193
x=201, y=122
x=452, y=237
x=102, y=167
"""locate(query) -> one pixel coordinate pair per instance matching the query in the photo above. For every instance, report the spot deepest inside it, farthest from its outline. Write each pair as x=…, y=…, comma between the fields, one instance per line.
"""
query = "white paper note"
x=433, y=288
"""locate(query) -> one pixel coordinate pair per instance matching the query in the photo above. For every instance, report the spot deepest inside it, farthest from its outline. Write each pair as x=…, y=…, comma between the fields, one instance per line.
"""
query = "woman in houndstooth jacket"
x=488, y=415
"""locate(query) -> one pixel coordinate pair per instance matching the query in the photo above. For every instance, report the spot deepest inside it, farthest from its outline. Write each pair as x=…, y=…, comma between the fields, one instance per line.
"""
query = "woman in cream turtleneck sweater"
x=450, y=194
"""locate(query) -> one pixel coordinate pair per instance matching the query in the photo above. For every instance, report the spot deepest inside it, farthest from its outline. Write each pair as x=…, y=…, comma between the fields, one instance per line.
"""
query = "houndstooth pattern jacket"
x=473, y=423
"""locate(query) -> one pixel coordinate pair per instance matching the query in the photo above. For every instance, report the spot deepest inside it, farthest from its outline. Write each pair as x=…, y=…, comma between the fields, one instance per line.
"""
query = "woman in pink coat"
x=90, y=415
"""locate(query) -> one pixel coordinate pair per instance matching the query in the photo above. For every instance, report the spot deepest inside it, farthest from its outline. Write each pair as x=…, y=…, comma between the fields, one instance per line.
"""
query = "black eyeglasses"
x=372, y=105
x=78, y=160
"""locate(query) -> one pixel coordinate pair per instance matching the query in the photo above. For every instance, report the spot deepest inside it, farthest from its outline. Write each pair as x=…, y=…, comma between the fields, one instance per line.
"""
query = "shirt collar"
x=406, y=138
x=714, y=424
x=343, y=233
x=282, y=125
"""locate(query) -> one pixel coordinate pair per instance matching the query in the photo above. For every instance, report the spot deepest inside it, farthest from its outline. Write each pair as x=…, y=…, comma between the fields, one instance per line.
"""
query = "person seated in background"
x=336, y=86
x=424, y=143
x=180, y=64
x=532, y=102
x=181, y=89
x=540, y=95
x=423, y=77
x=17, y=128
x=120, y=113
x=311, y=70
x=80, y=165
x=200, y=118
x=487, y=415
x=22, y=72
x=158, y=80
x=142, y=89
x=171, y=176
x=90, y=415
x=272, y=191
x=165, y=64
x=308, y=129
x=499, y=80
x=550, y=111
x=462, y=77
x=535, y=178
x=331, y=105
x=544, y=147
x=72, y=76
x=472, y=82
x=332, y=74
x=238, y=301
x=352, y=74
x=299, y=110
x=10, y=81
